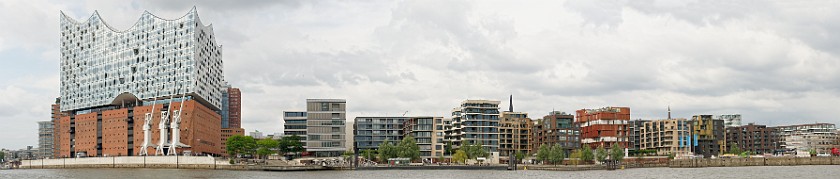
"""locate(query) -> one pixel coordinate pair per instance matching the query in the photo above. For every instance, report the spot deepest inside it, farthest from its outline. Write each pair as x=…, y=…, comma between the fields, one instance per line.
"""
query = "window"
x=325, y=107
x=336, y=129
x=336, y=115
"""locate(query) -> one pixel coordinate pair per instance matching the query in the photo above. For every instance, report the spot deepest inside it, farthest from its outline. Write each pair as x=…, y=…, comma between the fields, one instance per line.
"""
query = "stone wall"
x=738, y=162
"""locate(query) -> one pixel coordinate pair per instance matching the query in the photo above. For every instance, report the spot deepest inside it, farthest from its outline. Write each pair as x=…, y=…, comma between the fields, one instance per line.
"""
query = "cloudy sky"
x=774, y=62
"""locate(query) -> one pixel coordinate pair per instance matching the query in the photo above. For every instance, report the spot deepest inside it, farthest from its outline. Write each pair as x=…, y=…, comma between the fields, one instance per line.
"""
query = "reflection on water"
x=797, y=172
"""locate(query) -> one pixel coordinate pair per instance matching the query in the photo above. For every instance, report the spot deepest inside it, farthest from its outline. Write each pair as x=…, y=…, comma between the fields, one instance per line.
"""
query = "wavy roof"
x=96, y=16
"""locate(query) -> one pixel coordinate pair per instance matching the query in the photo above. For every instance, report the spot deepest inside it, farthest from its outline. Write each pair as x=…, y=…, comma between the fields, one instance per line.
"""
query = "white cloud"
x=774, y=62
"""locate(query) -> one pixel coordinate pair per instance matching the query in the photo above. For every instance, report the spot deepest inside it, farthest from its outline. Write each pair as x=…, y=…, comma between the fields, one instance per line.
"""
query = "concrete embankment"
x=438, y=167
x=169, y=162
x=739, y=162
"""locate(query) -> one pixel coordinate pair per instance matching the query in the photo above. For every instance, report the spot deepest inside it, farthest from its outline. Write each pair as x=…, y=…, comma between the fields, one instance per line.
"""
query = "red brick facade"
x=234, y=108
x=605, y=126
x=200, y=129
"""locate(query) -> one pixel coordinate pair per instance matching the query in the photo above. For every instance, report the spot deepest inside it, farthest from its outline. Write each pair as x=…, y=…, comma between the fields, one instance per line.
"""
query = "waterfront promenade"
x=199, y=162
x=162, y=162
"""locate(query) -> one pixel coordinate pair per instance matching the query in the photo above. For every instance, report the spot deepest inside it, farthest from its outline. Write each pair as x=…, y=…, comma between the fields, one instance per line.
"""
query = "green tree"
x=240, y=145
x=600, y=153
x=475, y=150
x=266, y=147
x=408, y=148
x=368, y=154
x=575, y=157
x=519, y=156
x=290, y=144
x=557, y=154
x=734, y=149
x=386, y=150
x=448, y=148
x=460, y=156
x=543, y=153
x=347, y=155
x=586, y=154
x=616, y=153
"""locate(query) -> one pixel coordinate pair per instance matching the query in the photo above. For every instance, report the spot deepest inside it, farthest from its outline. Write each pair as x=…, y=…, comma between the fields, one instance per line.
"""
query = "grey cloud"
x=774, y=62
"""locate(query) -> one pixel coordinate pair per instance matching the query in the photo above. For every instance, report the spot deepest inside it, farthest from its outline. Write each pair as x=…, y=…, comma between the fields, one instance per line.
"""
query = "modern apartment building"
x=556, y=128
x=759, y=139
x=800, y=139
x=710, y=133
x=110, y=78
x=604, y=126
x=731, y=120
x=422, y=129
x=325, y=127
x=635, y=134
x=667, y=136
x=370, y=132
x=475, y=121
x=294, y=123
x=45, y=139
x=514, y=134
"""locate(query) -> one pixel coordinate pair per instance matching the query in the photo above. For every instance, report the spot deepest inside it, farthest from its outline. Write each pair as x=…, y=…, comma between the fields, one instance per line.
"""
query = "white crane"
x=147, y=134
x=163, y=141
x=176, y=128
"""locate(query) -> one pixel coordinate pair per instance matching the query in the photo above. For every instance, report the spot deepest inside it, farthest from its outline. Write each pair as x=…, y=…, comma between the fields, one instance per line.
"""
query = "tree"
x=557, y=154
x=290, y=144
x=240, y=145
x=266, y=147
x=408, y=148
x=448, y=148
x=600, y=153
x=460, y=156
x=586, y=154
x=575, y=157
x=475, y=150
x=386, y=151
x=519, y=156
x=368, y=154
x=616, y=153
x=733, y=149
x=347, y=155
x=543, y=153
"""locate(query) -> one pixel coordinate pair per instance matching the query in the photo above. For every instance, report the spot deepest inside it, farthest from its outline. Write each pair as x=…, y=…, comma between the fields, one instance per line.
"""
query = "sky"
x=774, y=62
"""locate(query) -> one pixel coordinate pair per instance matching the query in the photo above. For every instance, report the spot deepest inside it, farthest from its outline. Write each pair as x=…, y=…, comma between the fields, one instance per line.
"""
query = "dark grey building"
x=710, y=135
x=370, y=132
x=635, y=134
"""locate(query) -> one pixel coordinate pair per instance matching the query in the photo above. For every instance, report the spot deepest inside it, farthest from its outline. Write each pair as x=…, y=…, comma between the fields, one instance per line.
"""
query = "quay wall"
x=739, y=162
x=187, y=162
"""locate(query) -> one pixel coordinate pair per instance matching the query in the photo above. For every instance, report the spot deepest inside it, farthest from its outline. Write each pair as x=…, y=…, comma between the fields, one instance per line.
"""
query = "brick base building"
x=118, y=130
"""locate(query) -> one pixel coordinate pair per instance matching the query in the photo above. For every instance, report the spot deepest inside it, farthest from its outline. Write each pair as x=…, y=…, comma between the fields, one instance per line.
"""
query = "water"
x=792, y=172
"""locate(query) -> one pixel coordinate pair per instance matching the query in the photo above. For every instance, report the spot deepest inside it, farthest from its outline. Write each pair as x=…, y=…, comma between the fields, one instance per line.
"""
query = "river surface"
x=788, y=172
